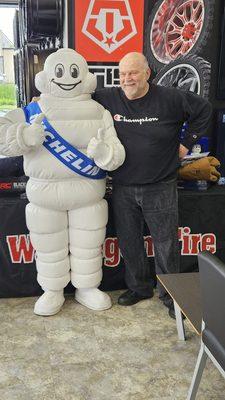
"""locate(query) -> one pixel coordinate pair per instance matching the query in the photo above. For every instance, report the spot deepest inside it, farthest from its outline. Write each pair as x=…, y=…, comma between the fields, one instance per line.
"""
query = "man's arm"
x=197, y=113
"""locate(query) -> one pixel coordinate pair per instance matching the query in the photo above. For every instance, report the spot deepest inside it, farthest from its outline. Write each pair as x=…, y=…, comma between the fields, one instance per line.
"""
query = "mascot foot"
x=49, y=303
x=93, y=298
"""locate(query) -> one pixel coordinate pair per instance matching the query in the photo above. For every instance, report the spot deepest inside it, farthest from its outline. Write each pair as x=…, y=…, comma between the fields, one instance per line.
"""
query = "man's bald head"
x=134, y=56
x=134, y=74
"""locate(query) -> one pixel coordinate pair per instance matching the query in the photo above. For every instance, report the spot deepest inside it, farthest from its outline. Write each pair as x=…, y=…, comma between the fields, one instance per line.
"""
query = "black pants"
x=157, y=205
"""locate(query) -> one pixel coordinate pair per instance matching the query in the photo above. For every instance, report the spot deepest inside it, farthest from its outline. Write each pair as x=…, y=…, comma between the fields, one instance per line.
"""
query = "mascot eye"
x=74, y=71
x=59, y=70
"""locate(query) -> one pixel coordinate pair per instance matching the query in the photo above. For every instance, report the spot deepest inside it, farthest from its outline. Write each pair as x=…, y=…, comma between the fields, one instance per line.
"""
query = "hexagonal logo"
x=109, y=23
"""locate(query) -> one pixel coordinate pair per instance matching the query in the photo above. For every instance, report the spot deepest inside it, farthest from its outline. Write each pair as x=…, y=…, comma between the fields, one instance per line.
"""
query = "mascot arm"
x=106, y=150
x=16, y=136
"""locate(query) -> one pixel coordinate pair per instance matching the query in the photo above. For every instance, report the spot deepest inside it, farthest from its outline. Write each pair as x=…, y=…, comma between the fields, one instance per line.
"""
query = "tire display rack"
x=37, y=27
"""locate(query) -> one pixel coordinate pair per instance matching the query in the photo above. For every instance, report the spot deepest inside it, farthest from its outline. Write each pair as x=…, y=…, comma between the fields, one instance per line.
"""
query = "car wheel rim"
x=184, y=28
x=176, y=28
x=182, y=76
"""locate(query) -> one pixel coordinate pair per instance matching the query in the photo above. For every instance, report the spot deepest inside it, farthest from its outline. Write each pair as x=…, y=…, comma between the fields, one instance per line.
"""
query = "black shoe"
x=172, y=314
x=168, y=302
x=130, y=297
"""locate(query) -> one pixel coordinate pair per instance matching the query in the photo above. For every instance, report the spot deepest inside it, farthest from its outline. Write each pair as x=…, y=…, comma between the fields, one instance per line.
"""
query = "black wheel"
x=44, y=18
x=40, y=19
x=190, y=73
x=176, y=28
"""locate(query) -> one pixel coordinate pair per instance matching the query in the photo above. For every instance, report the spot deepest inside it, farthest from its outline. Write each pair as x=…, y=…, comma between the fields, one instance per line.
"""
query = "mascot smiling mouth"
x=66, y=86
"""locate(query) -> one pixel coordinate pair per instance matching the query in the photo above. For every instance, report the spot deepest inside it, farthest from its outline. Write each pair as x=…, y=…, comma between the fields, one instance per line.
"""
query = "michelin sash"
x=61, y=149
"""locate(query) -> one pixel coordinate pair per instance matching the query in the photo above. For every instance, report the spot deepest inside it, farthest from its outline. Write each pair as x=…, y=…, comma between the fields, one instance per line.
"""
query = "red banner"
x=105, y=30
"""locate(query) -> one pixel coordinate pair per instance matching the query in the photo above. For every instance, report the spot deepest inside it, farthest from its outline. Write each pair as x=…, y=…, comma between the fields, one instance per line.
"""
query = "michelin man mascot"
x=68, y=142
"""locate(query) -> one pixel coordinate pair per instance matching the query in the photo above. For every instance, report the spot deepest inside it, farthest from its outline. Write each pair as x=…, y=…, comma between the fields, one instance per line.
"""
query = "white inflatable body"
x=67, y=214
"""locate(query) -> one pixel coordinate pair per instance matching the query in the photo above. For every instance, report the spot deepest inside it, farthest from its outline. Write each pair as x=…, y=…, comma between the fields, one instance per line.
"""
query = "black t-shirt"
x=149, y=129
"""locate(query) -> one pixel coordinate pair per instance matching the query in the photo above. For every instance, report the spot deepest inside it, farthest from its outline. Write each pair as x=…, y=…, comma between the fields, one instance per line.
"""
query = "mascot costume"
x=68, y=142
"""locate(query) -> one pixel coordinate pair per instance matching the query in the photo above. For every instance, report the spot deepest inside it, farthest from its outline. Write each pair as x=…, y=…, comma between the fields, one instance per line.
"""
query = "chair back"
x=212, y=283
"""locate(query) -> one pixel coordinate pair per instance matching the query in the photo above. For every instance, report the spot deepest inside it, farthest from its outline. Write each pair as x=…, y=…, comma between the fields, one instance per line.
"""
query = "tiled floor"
x=125, y=353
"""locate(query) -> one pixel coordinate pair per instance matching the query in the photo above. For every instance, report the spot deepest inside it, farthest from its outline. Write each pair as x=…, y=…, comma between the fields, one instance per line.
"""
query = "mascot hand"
x=34, y=135
x=97, y=148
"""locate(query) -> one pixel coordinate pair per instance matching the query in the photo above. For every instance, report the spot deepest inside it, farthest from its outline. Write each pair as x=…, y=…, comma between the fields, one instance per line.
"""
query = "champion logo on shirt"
x=122, y=118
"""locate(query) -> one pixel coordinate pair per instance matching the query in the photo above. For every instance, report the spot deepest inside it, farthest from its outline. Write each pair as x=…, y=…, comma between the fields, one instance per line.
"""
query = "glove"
x=98, y=149
x=202, y=169
x=34, y=135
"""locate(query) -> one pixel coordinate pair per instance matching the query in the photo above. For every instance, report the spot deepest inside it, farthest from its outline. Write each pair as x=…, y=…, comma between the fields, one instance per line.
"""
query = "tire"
x=188, y=73
x=40, y=19
x=192, y=20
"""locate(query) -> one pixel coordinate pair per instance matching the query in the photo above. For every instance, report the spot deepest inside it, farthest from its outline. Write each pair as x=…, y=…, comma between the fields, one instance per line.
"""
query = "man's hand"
x=182, y=151
x=34, y=135
x=35, y=99
x=97, y=148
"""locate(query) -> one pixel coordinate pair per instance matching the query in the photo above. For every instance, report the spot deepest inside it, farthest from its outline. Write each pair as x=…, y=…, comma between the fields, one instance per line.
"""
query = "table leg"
x=179, y=322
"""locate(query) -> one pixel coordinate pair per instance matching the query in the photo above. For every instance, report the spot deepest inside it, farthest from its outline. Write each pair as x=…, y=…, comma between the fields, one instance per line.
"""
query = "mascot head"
x=65, y=74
